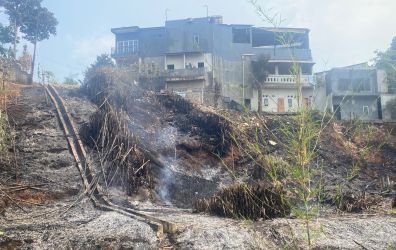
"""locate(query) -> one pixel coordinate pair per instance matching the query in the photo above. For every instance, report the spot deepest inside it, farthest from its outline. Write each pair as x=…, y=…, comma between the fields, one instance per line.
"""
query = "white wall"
x=177, y=60
x=274, y=94
x=193, y=58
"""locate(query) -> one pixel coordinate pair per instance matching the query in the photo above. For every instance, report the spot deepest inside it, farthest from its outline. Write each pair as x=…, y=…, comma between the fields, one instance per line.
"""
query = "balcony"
x=175, y=75
x=288, y=80
x=122, y=53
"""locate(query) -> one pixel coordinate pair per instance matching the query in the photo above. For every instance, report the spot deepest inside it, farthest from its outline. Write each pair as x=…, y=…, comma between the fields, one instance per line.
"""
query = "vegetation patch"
x=243, y=201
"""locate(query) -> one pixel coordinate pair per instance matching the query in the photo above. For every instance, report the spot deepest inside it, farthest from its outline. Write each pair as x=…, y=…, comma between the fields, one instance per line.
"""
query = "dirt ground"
x=52, y=212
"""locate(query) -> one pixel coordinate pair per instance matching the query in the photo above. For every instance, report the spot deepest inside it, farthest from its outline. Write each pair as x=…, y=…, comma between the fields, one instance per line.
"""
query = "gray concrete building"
x=354, y=92
x=206, y=60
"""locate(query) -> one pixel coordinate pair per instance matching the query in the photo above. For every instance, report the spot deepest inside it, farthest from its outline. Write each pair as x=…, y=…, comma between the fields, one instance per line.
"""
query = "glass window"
x=366, y=110
x=266, y=102
x=196, y=40
x=290, y=102
x=129, y=46
x=171, y=66
x=201, y=65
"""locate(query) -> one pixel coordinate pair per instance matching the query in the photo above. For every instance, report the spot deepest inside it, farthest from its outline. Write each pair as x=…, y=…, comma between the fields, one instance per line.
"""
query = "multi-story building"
x=203, y=59
x=354, y=92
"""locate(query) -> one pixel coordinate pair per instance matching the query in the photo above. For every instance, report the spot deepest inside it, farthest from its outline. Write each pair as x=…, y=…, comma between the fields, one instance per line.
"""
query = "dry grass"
x=246, y=202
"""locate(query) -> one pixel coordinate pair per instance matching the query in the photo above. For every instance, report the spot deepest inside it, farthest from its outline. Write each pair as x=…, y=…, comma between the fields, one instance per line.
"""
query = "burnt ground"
x=63, y=218
x=58, y=215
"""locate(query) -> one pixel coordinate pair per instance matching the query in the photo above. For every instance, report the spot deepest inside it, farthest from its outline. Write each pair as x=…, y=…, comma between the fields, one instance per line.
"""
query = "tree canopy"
x=393, y=45
x=387, y=61
x=260, y=71
x=102, y=61
x=6, y=37
x=39, y=25
x=18, y=12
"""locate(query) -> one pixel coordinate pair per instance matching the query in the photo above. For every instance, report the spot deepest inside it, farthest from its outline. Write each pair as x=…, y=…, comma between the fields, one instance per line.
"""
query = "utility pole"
x=207, y=10
x=243, y=57
x=43, y=76
x=166, y=14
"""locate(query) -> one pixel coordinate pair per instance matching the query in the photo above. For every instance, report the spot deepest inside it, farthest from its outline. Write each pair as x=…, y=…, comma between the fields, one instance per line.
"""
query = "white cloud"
x=343, y=32
x=86, y=49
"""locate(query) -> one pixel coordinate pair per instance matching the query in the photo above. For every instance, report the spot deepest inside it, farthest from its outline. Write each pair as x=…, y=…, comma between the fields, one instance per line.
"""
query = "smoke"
x=166, y=179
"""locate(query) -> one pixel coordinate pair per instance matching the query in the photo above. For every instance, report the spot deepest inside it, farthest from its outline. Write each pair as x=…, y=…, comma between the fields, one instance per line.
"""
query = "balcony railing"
x=115, y=52
x=305, y=80
x=186, y=74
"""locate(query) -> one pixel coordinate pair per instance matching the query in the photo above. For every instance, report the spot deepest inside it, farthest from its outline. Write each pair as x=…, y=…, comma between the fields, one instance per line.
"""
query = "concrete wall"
x=321, y=99
x=183, y=59
x=336, y=76
x=388, y=114
x=351, y=107
x=153, y=66
x=191, y=90
x=382, y=82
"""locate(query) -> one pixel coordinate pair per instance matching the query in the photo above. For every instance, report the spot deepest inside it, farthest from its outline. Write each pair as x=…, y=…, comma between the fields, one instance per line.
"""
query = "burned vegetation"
x=225, y=163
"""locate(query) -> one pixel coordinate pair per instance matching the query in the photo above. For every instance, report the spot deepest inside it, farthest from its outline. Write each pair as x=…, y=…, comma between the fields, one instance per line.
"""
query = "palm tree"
x=260, y=71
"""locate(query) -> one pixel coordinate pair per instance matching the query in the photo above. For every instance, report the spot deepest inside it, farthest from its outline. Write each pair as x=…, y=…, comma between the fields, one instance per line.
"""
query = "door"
x=281, y=105
x=306, y=103
x=379, y=107
x=337, y=110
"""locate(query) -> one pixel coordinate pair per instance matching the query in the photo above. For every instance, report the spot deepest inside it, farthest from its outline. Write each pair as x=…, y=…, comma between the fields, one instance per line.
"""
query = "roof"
x=210, y=19
x=283, y=29
x=124, y=30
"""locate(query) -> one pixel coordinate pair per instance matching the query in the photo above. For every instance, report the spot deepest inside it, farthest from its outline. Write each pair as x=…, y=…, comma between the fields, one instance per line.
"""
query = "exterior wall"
x=356, y=77
x=382, y=82
x=351, y=107
x=191, y=90
x=176, y=60
x=351, y=100
x=218, y=46
x=321, y=100
x=387, y=114
x=229, y=75
x=182, y=60
x=153, y=66
x=274, y=94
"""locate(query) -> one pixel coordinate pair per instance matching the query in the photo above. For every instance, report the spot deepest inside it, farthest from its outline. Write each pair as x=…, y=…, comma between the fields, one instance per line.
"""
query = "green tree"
x=49, y=77
x=6, y=37
x=18, y=11
x=102, y=61
x=39, y=26
x=393, y=45
x=71, y=80
x=260, y=71
x=387, y=61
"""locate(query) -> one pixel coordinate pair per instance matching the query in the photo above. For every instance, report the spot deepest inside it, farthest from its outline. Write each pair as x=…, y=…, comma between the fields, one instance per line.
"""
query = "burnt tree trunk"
x=259, y=98
x=33, y=62
x=15, y=38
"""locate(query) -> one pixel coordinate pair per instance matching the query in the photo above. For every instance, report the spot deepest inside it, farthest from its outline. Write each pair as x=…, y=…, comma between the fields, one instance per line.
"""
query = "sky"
x=342, y=32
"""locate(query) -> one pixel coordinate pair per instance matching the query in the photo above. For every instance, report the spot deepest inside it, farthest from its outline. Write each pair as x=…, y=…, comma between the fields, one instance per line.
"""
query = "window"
x=344, y=84
x=196, y=40
x=241, y=35
x=366, y=110
x=201, y=65
x=129, y=46
x=290, y=102
x=361, y=84
x=266, y=101
x=171, y=66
